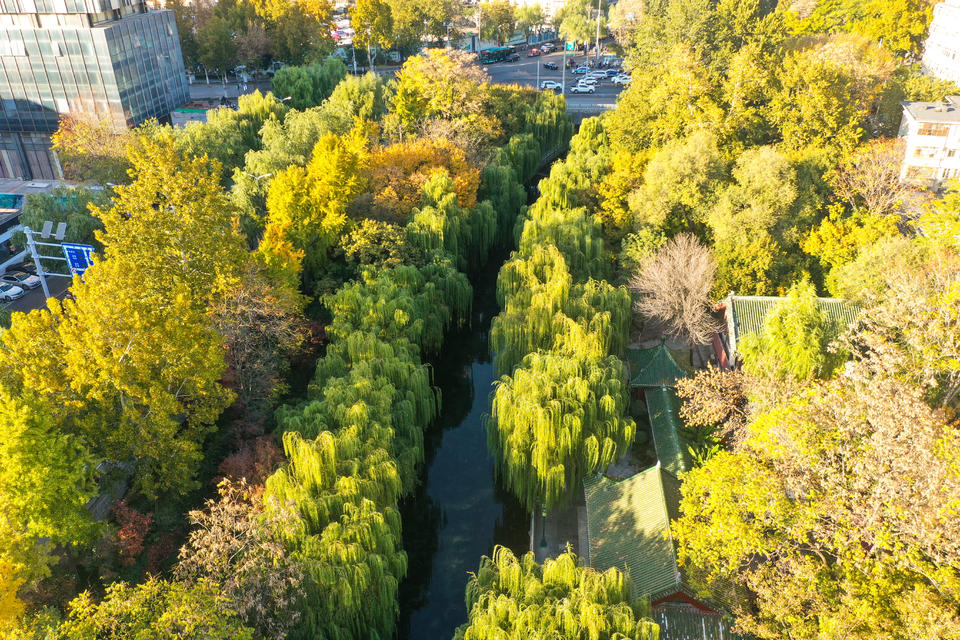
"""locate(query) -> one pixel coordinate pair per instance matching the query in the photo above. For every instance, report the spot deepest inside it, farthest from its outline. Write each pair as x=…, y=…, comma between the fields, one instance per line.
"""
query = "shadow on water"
x=458, y=513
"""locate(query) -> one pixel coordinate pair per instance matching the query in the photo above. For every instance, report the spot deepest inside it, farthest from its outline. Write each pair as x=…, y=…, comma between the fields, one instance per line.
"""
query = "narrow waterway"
x=459, y=512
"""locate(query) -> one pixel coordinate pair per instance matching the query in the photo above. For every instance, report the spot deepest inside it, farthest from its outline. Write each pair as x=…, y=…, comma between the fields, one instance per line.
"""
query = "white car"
x=622, y=80
x=21, y=279
x=583, y=88
x=550, y=84
x=588, y=80
x=9, y=292
x=599, y=75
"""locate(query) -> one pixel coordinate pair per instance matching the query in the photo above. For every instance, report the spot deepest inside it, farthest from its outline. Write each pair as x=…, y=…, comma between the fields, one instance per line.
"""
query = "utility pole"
x=479, y=19
x=563, y=81
x=597, y=45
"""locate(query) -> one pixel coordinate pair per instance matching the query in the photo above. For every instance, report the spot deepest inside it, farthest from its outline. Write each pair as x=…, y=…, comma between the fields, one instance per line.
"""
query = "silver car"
x=21, y=279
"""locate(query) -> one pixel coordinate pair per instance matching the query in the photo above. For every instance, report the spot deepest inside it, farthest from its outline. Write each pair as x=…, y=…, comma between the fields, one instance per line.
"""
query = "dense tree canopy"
x=514, y=598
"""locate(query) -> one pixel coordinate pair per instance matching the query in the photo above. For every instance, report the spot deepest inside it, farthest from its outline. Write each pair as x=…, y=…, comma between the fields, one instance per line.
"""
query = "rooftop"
x=935, y=112
x=672, y=447
x=655, y=367
x=629, y=528
x=749, y=312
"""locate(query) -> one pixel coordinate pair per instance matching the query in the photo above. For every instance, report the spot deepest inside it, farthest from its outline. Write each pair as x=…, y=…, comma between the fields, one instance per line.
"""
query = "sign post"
x=32, y=245
x=79, y=257
x=568, y=46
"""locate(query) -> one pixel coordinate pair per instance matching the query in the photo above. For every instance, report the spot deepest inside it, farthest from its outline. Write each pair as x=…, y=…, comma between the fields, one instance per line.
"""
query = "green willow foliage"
x=401, y=302
x=559, y=418
x=542, y=309
x=355, y=446
x=442, y=225
x=559, y=407
x=517, y=599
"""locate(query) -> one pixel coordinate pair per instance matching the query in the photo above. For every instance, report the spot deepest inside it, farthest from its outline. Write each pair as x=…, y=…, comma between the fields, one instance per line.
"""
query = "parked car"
x=553, y=66
x=612, y=73
x=9, y=292
x=550, y=84
x=583, y=88
x=27, y=266
x=533, y=52
x=590, y=81
x=548, y=47
x=621, y=80
x=580, y=70
x=21, y=279
x=514, y=57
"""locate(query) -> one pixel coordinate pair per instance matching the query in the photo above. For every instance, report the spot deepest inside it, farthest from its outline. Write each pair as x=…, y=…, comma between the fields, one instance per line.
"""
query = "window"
x=925, y=152
x=920, y=173
x=930, y=129
x=12, y=48
x=951, y=153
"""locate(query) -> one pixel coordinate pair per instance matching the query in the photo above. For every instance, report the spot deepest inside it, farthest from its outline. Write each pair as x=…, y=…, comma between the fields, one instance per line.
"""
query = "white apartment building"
x=550, y=7
x=931, y=131
x=941, y=54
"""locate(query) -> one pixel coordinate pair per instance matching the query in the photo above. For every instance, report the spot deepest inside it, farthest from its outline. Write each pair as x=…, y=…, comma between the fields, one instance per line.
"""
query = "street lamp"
x=543, y=538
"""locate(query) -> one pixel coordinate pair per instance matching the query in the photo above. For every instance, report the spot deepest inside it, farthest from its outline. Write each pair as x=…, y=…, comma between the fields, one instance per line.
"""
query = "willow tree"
x=532, y=291
x=558, y=418
x=378, y=388
x=441, y=224
x=347, y=534
x=541, y=308
x=578, y=237
x=400, y=303
x=512, y=598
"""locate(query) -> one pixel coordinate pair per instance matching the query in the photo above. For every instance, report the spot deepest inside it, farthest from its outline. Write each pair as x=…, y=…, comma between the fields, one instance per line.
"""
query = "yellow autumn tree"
x=399, y=172
x=307, y=206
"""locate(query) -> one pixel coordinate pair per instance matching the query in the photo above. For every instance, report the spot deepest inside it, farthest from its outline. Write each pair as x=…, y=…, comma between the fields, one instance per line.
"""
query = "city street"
x=525, y=72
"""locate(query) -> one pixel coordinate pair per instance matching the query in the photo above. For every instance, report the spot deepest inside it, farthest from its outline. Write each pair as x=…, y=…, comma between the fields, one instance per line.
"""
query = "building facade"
x=931, y=132
x=109, y=60
x=941, y=54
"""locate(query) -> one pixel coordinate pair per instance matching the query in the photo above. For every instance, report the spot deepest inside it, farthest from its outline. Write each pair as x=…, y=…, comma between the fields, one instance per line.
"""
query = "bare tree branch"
x=674, y=289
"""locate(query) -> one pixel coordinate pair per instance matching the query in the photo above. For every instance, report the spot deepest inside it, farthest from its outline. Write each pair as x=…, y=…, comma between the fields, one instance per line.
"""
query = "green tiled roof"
x=654, y=367
x=663, y=407
x=749, y=312
x=628, y=524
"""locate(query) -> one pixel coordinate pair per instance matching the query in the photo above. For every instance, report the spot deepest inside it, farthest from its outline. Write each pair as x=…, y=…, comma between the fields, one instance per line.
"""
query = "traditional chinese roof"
x=628, y=524
x=654, y=367
x=663, y=408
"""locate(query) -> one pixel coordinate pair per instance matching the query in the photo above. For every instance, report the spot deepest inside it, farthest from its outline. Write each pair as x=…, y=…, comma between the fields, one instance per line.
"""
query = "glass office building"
x=110, y=60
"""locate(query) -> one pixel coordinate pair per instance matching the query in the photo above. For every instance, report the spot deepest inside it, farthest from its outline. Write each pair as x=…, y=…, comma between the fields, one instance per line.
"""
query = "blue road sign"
x=571, y=46
x=79, y=256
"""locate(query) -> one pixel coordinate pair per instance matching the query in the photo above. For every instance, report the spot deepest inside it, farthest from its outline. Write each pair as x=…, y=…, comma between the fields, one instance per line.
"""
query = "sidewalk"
x=563, y=527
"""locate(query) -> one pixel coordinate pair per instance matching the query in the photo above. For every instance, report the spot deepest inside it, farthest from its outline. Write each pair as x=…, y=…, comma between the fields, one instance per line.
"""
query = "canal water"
x=459, y=512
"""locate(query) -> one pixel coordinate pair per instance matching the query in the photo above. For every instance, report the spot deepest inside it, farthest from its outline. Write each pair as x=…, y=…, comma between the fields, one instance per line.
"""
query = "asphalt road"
x=525, y=72
x=34, y=298
x=522, y=72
